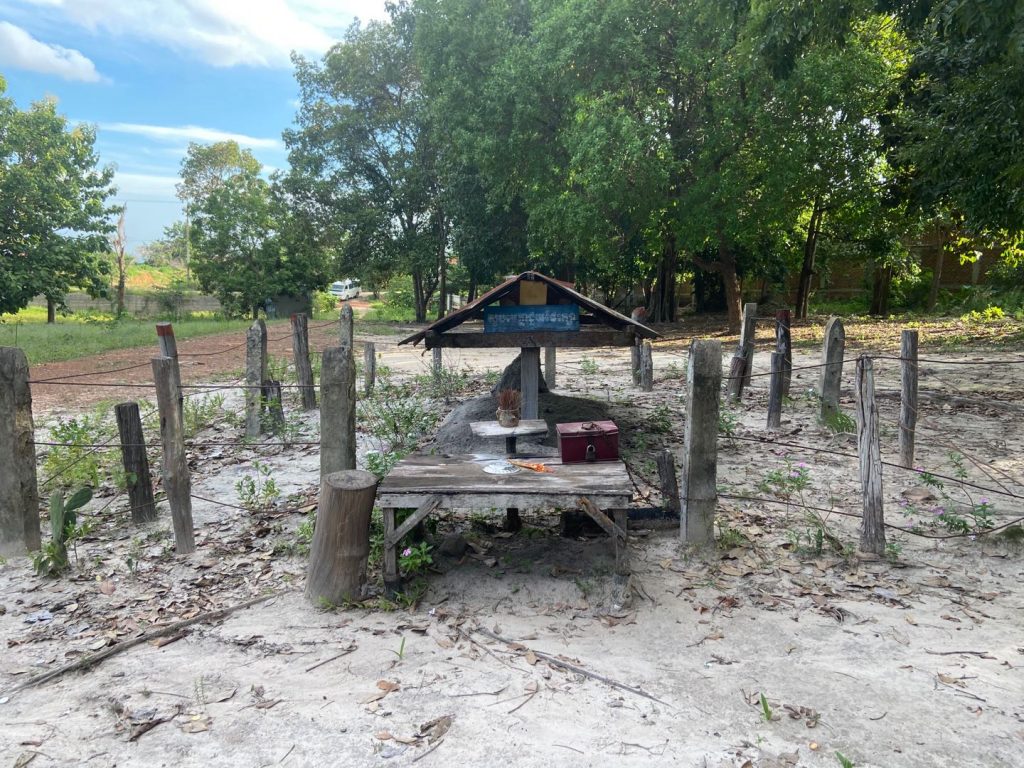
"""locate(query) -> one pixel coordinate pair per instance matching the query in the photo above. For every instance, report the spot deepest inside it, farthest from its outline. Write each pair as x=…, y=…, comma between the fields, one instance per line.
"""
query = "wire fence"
x=994, y=481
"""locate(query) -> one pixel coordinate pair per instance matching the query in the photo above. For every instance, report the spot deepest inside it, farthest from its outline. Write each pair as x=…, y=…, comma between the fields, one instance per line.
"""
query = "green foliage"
x=304, y=533
x=199, y=412
x=728, y=422
x=787, y=482
x=659, y=420
x=397, y=417
x=588, y=367
x=766, y=710
x=844, y=761
x=840, y=423
x=54, y=216
x=445, y=384
x=988, y=315
x=76, y=462
x=64, y=529
x=415, y=559
x=957, y=511
x=259, y=490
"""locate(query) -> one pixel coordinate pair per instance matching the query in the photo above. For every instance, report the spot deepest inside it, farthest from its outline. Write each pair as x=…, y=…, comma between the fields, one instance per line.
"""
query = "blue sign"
x=541, y=317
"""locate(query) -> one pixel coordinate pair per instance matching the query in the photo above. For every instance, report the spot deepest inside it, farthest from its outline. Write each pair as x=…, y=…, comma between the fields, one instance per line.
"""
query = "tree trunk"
x=472, y=290
x=803, y=291
x=442, y=265
x=933, y=292
x=51, y=311
x=419, y=299
x=663, y=295
x=726, y=266
x=880, y=291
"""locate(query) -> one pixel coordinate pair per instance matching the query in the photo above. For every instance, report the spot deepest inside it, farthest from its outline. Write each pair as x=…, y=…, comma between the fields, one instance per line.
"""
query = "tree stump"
x=341, y=539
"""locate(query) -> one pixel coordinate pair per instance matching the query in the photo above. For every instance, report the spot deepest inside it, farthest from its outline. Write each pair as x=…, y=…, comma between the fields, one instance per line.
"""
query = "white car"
x=345, y=289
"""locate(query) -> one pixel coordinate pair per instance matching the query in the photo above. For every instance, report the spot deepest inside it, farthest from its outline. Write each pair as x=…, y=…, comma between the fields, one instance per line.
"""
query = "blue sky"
x=153, y=75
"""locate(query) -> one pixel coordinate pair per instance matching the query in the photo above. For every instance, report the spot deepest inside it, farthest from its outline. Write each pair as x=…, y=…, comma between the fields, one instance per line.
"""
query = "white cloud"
x=188, y=133
x=20, y=50
x=222, y=32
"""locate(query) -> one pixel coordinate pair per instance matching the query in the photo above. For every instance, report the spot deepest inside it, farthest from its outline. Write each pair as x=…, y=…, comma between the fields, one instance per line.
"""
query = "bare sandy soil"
x=914, y=660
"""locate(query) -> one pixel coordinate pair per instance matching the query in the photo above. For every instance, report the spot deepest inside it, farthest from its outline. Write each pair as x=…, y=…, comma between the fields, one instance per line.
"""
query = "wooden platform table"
x=492, y=429
x=428, y=483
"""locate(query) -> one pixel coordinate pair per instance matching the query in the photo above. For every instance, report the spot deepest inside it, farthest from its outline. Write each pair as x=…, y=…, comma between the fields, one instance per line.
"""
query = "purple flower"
x=794, y=474
x=802, y=465
x=407, y=551
x=983, y=500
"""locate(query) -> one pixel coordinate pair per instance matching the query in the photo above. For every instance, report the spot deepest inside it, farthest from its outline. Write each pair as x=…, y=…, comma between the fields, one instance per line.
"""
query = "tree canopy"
x=54, y=215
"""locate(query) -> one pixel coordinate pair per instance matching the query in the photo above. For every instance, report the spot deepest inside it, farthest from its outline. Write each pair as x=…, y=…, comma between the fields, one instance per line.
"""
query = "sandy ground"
x=909, y=661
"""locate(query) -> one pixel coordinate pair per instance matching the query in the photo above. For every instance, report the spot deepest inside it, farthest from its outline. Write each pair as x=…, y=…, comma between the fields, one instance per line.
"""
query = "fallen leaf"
x=107, y=587
x=387, y=686
x=383, y=735
x=197, y=724
x=531, y=658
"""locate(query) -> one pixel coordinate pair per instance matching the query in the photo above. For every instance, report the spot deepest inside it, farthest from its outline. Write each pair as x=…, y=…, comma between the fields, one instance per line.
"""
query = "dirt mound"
x=455, y=436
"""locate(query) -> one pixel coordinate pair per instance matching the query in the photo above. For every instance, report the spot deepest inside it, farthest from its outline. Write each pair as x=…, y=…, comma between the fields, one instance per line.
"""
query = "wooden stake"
x=646, y=367
x=529, y=381
x=775, y=388
x=669, y=482
x=908, y=396
x=19, y=491
x=700, y=444
x=337, y=411
x=177, y=481
x=832, y=350
x=551, y=367
x=346, y=328
x=748, y=335
x=872, y=530
x=136, y=462
x=634, y=362
x=169, y=348
x=737, y=373
x=303, y=368
x=273, y=404
x=784, y=344
x=341, y=538
x=369, y=367
x=255, y=375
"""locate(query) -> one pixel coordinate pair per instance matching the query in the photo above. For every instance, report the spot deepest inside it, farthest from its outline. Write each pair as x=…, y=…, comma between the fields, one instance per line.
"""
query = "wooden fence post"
x=346, y=328
x=19, y=491
x=832, y=350
x=341, y=538
x=737, y=373
x=369, y=367
x=775, y=389
x=639, y=315
x=303, y=369
x=646, y=367
x=273, y=404
x=669, y=482
x=784, y=344
x=700, y=444
x=908, y=396
x=551, y=367
x=177, y=482
x=437, y=368
x=135, y=462
x=337, y=411
x=872, y=529
x=169, y=348
x=529, y=381
x=255, y=375
x=748, y=335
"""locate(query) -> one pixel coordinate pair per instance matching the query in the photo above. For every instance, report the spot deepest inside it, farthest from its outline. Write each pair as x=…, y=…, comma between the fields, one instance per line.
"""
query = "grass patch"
x=89, y=333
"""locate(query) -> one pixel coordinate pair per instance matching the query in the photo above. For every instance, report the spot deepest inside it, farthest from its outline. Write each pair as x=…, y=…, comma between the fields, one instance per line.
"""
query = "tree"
x=364, y=164
x=959, y=145
x=169, y=251
x=250, y=244
x=54, y=216
x=206, y=167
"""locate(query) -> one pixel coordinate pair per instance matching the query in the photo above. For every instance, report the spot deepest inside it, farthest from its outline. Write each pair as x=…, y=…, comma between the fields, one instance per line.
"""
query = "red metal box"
x=588, y=441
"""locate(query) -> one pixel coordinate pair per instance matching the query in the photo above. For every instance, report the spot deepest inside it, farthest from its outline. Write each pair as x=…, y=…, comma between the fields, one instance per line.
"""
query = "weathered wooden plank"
x=494, y=429
x=700, y=443
x=908, y=396
x=833, y=348
x=580, y=339
x=483, y=501
x=776, y=386
x=646, y=367
x=872, y=524
x=748, y=337
x=136, y=462
x=784, y=344
x=424, y=509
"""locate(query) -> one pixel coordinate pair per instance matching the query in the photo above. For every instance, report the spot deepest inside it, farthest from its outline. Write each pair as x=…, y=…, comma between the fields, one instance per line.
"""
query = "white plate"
x=500, y=468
